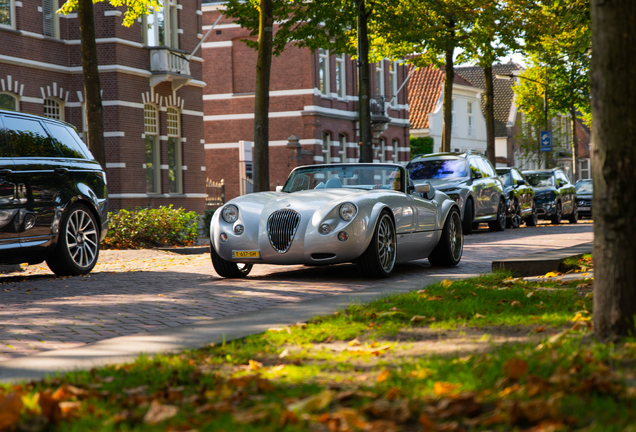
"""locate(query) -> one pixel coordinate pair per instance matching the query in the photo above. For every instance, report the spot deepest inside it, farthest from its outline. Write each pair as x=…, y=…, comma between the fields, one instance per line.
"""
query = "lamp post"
x=545, y=101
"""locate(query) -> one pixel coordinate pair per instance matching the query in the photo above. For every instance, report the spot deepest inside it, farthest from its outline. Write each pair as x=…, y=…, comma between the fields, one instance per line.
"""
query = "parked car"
x=53, y=198
x=520, y=198
x=470, y=180
x=555, y=195
x=372, y=214
x=584, y=190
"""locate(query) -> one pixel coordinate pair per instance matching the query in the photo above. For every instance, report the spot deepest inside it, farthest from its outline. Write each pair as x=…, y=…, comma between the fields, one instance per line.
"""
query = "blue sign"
x=546, y=141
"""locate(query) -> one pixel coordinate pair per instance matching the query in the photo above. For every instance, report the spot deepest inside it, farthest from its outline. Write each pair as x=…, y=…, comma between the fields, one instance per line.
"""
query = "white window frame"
x=11, y=25
x=174, y=134
x=393, y=82
x=170, y=19
x=453, y=118
x=342, y=150
x=14, y=96
x=379, y=77
x=59, y=106
x=326, y=147
x=55, y=18
x=382, y=152
x=151, y=129
x=584, y=171
x=396, y=146
x=471, y=118
x=323, y=67
x=341, y=89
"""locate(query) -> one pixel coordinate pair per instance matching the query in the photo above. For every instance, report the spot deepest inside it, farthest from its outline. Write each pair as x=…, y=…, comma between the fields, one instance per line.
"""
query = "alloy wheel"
x=81, y=238
x=455, y=236
x=501, y=213
x=515, y=219
x=386, y=244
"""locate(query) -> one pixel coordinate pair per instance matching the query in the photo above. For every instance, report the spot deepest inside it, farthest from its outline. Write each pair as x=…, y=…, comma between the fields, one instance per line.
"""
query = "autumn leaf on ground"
x=445, y=283
x=478, y=315
x=441, y=388
x=284, y=354
x=539, y=329
x=515, y=303
x=255, y=365
x=354, y=342
x=10, y=407
x=553, y=274
x=312, y=403
x=579, y=317
x=158, y=412
x=515, y=367
x=418, y=318
x=384, y=375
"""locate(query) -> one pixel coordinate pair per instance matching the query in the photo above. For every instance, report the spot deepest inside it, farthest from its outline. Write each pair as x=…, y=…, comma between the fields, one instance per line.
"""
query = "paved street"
x=132, y=292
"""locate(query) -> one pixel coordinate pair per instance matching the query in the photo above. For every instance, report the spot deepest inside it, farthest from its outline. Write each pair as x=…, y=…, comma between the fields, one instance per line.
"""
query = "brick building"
x=313, y=96
x=152, y=96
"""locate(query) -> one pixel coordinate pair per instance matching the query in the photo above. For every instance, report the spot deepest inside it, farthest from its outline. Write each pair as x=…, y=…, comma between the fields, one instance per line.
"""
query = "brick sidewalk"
x=136, y=291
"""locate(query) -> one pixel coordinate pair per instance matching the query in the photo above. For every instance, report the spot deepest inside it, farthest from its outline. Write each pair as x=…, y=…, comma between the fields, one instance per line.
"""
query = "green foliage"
x=135, y=8
x=421, y=145
x=207, y=219
x=145, y=228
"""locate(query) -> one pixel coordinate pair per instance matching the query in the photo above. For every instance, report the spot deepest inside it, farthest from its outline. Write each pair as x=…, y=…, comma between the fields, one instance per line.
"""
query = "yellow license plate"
x=245, y=254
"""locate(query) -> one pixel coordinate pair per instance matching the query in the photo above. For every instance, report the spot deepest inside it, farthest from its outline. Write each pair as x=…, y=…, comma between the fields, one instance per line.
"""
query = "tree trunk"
x=261, y=97
x=613, y=156
x=92, y=88
x=366, y=133
x=448, y=91
x=490, y=116
x=575, y=147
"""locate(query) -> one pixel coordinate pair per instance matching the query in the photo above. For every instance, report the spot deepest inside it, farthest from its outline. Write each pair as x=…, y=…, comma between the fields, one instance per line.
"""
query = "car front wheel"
x=228, y=269
x=379, y=258
x=574, y=216
x=467, y=223
x=556, y=219
x=514, y=220
x=499, y=224
x=77, y=247
x=533, y=219
x=448, y=251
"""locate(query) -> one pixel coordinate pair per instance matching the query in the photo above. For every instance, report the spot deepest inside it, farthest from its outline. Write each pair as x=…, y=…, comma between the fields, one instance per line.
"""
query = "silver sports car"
x=371, y=214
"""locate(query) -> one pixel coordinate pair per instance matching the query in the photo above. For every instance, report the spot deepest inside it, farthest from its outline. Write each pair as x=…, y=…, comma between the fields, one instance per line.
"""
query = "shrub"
x=207, y=218
x=146, y=228
x=421, y=145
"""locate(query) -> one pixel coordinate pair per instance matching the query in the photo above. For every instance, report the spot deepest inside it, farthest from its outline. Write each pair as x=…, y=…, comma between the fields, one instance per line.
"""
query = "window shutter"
x=47, y=18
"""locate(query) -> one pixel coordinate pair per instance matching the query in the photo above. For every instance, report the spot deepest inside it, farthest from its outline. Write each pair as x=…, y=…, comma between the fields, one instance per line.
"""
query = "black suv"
x=554, y=194
x=470, y=180
x=53, y=198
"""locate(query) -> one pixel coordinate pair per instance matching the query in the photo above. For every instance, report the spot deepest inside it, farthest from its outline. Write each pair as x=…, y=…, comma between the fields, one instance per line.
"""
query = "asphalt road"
x=132, y=292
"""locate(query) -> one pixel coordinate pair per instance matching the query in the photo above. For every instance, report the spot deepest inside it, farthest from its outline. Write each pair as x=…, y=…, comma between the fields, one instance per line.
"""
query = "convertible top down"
x=370, y=214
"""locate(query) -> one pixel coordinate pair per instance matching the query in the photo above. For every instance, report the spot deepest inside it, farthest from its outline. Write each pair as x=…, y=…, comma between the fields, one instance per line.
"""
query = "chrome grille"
x=281, y=228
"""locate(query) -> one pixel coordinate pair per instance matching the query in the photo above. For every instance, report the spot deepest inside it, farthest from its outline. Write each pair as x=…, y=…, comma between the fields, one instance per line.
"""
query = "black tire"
x=558, y=214
x=499, y=224
x=574, y=216
x=514, y=220
x=77, y=249
x=533, y=219
x=379, y=259
x=228, y=269
x=467, y=223
x=450, y=247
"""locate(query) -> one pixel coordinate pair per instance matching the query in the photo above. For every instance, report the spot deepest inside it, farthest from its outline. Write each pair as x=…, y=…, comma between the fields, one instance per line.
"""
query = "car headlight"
x=348, y=211
x=230, y=213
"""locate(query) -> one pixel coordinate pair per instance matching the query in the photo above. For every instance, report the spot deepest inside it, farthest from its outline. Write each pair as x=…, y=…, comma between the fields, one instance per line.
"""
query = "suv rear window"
x=437, y=168
x=65, y=141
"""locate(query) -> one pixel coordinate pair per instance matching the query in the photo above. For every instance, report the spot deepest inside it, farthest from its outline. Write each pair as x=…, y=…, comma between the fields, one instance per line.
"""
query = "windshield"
x=584, y=187
x=344, y=176
x=437, y=168
x=540, y=179
x=504, y=175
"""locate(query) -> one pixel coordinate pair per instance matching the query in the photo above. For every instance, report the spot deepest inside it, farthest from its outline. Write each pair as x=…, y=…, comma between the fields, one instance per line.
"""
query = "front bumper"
x=546, y=208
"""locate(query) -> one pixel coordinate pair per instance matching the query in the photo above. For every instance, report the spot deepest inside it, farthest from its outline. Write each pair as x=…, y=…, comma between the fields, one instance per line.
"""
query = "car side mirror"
x=423, y=188
x=477, y=175
x=521, y=182
x=279, y=188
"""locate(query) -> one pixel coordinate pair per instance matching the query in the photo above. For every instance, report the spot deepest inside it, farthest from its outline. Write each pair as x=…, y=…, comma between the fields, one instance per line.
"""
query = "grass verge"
x=526, y=362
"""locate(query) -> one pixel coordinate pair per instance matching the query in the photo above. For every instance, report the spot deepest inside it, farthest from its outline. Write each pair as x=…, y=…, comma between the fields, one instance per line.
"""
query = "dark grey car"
x=469, y=179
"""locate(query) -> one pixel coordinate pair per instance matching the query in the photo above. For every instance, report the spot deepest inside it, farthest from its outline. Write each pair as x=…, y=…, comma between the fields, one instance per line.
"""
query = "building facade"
x=313, y=97
x=151, y=92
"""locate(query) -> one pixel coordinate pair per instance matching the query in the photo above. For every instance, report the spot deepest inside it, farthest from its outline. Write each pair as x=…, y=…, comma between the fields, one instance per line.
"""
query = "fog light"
x=223, y=237
x=238, y=230
x=343, y=236
x=324, y=229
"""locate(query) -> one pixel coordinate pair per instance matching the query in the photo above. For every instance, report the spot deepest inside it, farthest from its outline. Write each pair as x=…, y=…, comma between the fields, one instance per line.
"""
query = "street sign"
x=546, y=141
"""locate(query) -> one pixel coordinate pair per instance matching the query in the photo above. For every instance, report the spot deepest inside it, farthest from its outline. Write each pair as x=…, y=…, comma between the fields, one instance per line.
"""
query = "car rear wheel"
x=379, y=258
x=499, y=224
x=229, y=269
x=533, y=219
x=77, y=247
x=448, y=251
x=556, y=219
x=574, y=216
x=467, y=223
x=514, y=220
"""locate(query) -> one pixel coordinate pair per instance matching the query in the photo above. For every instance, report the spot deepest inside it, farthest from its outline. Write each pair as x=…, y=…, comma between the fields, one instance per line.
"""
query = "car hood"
x=584, y=195
x=300, y=201
x=543, y=189
x=443, y=183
